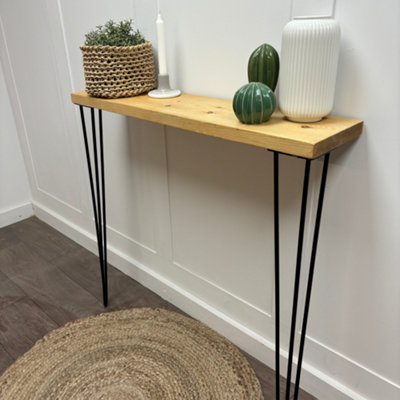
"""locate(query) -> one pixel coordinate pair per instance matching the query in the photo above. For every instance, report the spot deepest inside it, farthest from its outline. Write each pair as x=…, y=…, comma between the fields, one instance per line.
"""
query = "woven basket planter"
x=113, y=72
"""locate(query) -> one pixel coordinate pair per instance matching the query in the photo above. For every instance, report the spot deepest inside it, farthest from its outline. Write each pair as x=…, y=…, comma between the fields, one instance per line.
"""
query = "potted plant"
x=117, y=61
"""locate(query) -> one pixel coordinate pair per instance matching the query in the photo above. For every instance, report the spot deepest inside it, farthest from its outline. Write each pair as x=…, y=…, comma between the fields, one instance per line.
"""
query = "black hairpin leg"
x=98, y=193
x=277, y=284
x=311, y=273
x=297, y=274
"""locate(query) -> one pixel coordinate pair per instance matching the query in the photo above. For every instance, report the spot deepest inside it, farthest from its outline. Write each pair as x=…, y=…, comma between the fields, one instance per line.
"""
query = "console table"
x=214, y=117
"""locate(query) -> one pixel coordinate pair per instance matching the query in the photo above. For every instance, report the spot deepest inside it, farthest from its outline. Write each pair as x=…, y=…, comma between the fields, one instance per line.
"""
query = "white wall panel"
x=15, y=194
x=313, y=8
x=37, y=84
x=220, y=214
x=130, y=152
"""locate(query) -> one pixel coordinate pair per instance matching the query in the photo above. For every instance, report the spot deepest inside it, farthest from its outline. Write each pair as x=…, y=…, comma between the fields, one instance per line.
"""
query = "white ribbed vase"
x=309, y=59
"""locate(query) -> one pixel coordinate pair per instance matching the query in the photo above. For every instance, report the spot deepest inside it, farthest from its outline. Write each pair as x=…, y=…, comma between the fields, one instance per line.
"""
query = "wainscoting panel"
x=221, y=213
x=38, y=87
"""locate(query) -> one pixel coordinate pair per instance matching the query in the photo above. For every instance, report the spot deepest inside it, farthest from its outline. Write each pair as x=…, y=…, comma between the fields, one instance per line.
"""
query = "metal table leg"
x=277, y=284
x=311, y=272
x=297, y=274
x=98, y=193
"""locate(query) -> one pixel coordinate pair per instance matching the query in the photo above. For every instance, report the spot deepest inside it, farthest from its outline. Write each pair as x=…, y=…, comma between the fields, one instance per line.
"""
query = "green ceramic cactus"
x=254, y=103
x=263, y=66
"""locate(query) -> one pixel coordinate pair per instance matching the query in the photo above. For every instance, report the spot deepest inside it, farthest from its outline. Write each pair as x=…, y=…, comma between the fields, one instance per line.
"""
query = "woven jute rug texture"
x=138, y=354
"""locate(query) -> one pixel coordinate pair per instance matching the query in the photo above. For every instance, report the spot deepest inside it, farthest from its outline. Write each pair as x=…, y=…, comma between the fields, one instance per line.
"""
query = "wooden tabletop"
x=215, y=117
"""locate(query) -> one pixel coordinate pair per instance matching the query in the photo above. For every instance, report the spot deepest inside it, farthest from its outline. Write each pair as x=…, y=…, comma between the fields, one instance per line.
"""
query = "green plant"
x=114, y=34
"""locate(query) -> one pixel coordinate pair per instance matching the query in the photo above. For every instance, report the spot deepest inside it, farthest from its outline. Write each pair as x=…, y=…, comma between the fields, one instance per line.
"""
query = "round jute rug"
x=141, y=354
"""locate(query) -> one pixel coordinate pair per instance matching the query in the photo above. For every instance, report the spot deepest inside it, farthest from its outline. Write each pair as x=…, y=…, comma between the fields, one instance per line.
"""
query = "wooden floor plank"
x=19, y=258
x=83, y=267
x=22, y=323
x=7, y=237
x=60, y=297
x=43, y=239
x=8, y=289
x=5, y=359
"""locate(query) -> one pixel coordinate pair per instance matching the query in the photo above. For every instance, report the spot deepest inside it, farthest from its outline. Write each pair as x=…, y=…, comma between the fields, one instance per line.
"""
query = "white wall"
x=15, y=196
x=191, y=216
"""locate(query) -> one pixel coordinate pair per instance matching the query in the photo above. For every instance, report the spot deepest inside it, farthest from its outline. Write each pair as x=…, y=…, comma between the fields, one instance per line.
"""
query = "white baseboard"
x=18, y=213
x=313, y=381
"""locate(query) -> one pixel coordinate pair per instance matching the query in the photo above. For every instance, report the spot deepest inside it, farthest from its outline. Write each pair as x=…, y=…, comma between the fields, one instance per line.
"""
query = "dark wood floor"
x=47, y=280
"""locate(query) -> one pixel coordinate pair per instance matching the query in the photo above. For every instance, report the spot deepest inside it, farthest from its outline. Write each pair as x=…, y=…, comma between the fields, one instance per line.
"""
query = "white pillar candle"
x=162, y=57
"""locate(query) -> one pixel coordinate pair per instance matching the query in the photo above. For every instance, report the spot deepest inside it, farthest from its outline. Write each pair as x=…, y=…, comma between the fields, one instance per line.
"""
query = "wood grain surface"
x=215, y=117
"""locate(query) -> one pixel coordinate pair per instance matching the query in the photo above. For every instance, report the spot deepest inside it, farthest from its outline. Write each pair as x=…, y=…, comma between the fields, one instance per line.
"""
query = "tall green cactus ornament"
x=263, y=66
